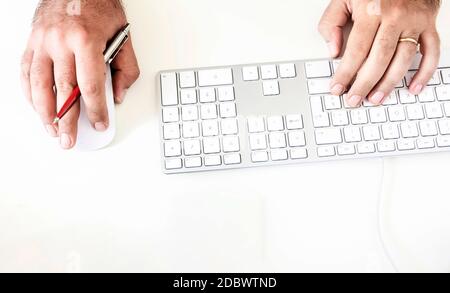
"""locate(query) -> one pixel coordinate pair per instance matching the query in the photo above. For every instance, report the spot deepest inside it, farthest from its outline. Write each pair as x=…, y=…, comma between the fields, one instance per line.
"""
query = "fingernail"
x=337, y=89
x=334, y=51
x=377, y=98
x=416, y=89
x=51, y=130
x=100, y=126
x=65, y=141
x=120, y=99
x=354, y=100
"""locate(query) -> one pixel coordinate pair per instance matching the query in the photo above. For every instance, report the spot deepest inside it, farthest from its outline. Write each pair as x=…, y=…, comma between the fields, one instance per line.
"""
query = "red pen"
x=109, y=55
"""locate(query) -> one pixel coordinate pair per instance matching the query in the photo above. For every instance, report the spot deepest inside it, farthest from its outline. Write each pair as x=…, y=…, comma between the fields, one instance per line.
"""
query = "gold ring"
x=411, y=40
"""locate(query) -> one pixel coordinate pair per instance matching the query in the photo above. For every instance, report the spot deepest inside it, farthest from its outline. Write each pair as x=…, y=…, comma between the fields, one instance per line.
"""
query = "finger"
x=65, y=81
x=331, y=26
x=372, y=71
x=430, y=45
x=91, y=75
x=27, y=59
x=42, y=93
x=358, y=47
x=126, y=72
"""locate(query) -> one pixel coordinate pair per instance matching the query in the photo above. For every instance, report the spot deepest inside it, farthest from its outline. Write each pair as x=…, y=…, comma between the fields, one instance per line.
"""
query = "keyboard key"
x=366, y=148
x=279, y=155
x=332, y=102
x=328, y=136
x=195, y=162
x=443, y=141
x=316, y=69
x=210, y=128
x=258, y=142
x=409, y=129
x=406, y=97
x=173, y=164
x=396, y=114
x=208, y=111
x=297, y=139
x=192, y=147
x=346, y=150
x=386, y=146
x=212, y=161
x=434, y=111
x=228, y=110
x=405, y=145
x=172, y=149
x=169, y=90
x=443, y=93
x=425, y=143
x=231, y=144
x=187, y=79
x=294, y=122
x=171, y=131
x=391, y=99
x=256, y=124
x=352, y=134
x=445, y=73
x=269, y=72
x=390, y=131
x=229, y=126
x=275, y=123
x=188, y=96
x=371, y=133
x=320, y=118
x=435, y=80
x=319, y=86
x=378, y=115
x=189, y=113
x=447, y=109
x=340, y=118
x=271, y=88
x=226, y=94
x=428, y=128
x=211, y=145
x=287, y=70
x=215, y=77
x=277, y=140
x=191, y=130
x=444, y=126
x=232, y=159
x=415, y=112
x=250, y=73
x=328, y=151
x=427, y=95
x=359, y=116
x=260, y=157
x=207, y=95
x=297, y=154
x=170, y=114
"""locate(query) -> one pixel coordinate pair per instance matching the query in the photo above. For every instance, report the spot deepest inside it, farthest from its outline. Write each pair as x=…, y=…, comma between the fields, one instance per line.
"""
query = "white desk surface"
x=114, y=210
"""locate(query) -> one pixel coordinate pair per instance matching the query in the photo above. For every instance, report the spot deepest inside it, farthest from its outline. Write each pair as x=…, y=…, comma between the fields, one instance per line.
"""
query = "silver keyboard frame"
x=247, y=100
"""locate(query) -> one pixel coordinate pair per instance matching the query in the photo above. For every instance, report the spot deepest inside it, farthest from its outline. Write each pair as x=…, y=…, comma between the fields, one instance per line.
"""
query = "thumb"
x=331, y=26
x=125, y=71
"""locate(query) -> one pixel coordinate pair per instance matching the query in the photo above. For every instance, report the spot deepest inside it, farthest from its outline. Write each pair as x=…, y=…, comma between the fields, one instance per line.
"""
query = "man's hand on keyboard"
x=375, y=60
x=65, y=49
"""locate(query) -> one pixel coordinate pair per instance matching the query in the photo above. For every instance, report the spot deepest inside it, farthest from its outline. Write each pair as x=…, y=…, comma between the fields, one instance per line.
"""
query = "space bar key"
x=215, y=77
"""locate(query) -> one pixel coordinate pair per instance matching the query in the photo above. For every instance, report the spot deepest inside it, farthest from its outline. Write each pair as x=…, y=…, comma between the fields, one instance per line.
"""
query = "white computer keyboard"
x=282, y=113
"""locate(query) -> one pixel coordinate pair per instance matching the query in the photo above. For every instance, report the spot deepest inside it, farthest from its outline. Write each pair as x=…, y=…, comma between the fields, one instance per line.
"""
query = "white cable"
x=384, y=191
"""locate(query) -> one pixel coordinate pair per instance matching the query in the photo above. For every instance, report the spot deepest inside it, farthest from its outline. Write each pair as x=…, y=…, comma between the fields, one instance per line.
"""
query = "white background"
x=114, y=210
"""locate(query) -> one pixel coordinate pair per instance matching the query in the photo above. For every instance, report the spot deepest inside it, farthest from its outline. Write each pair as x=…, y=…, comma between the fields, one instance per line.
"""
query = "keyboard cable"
x=385, y=189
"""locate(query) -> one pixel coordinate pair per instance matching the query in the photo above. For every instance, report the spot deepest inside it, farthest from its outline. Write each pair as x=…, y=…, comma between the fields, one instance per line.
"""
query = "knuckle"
x=64, y=86
x=90, y=89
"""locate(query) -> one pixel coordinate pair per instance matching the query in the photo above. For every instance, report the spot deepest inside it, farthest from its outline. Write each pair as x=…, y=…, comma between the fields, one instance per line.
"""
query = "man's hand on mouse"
x=65, y=49
x=375, y=60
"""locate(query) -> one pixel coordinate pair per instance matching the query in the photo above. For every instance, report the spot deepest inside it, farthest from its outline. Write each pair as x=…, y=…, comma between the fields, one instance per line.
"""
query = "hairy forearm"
x=91, y=7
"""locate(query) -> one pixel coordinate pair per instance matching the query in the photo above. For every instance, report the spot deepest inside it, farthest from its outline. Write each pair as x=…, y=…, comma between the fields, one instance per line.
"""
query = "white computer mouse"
x=88, y=138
